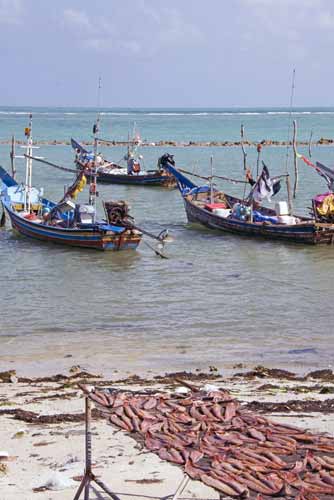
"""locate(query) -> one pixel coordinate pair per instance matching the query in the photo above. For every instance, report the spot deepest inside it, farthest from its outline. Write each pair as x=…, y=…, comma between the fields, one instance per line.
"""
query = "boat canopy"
x=76, y=145
x=6, y=178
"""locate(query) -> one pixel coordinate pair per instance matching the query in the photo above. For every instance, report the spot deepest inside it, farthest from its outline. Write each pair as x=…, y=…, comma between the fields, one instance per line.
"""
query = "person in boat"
x=252, y=182
x=133, y=165
x=249, y=177
x=99, y=160
x=130, y=164
x=77, y=155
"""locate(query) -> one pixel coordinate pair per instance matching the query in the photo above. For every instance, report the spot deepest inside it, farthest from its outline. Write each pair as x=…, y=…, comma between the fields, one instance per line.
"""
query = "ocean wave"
x=36, y=113
x=14, y=113
x=190, y=113
x=217, y=113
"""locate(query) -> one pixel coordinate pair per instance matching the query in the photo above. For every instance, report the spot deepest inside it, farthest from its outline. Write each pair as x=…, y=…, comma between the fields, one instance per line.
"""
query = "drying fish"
x=193, y=472
x=150, y=404
x=256, y=434
x=327, y=478
x=135, y=424
x=100, y=398
x=119, y=422
x=242, y=490
x=230, y=411
x=231, y=449
x=219, y=485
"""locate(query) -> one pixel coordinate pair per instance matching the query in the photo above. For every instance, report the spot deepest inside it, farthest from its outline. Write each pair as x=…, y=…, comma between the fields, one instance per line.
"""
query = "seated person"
x=130, y=164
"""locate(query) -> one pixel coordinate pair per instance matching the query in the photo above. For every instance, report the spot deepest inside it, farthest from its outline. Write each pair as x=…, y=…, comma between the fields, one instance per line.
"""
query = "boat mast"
x=288, y=186
x=28, y=180
x=13, y=156
x=295, y=158
x=92, y=187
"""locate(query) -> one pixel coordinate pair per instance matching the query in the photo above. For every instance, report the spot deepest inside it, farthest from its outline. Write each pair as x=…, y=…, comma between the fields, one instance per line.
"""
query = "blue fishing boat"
x=215, y=209
x=131, y=174
x=66, y=222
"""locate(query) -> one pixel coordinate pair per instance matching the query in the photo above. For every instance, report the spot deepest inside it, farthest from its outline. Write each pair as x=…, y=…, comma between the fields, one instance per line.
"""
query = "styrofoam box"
x=281, y=208
x=222, y=212
x=286, y=219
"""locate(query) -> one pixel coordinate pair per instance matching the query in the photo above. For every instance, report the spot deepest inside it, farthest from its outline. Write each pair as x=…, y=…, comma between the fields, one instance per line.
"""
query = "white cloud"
x=286, y=28
x=78, y=19
x=326, y=20
x=174, y=29
x=11, y=12
x=145, y=30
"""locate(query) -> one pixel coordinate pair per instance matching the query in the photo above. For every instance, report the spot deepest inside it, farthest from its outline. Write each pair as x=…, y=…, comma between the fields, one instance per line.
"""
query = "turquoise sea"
x=218, y=300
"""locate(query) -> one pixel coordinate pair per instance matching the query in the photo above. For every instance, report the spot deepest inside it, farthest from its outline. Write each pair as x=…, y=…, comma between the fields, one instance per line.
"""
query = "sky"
x=154, y=53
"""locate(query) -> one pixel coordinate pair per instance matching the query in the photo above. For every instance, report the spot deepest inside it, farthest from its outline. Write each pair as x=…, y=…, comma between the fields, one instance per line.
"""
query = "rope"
x=65, y=169
x=214, y=176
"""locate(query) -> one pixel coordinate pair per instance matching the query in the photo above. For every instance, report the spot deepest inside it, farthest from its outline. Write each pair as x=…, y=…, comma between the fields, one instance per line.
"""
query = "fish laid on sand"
x=231, y=449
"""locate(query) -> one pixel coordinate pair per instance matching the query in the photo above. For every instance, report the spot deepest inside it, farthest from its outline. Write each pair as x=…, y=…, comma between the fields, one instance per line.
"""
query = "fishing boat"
x=215, y=209
x=65, y=222
x=132, y=173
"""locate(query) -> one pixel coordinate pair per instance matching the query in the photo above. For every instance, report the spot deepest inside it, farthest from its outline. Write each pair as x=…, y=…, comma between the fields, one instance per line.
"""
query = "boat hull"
x=136, y=180
x=74, y=237
x=308, y=232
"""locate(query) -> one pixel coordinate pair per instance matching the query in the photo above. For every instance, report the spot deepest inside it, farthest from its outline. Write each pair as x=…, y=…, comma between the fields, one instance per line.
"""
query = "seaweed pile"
x=236, y=451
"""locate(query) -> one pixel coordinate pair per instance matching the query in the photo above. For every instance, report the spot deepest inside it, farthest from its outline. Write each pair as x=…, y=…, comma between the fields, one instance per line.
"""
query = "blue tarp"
x=258, y=217
x=110, y=227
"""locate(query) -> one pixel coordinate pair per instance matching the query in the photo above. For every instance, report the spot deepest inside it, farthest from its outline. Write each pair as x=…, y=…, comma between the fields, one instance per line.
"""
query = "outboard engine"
x=117, y=212
x=164, y=159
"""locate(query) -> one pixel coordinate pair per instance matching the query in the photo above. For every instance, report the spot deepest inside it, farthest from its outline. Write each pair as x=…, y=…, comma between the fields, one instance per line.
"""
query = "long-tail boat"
x=217, y=210
x=65, y=222
x=113, y=173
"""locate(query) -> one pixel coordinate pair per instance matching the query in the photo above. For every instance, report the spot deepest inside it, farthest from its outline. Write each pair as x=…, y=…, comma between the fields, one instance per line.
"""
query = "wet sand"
x=42, y=429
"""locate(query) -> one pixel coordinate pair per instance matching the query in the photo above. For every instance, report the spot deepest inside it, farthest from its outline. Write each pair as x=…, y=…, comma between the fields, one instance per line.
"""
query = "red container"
x=212, y=206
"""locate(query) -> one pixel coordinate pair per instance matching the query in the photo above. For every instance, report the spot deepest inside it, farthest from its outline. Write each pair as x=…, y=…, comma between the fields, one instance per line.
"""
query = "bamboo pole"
x=310, y=145
x=288, y=188
x=295, y=161
x=242, y=133
x=259, y=149
x=88, y=468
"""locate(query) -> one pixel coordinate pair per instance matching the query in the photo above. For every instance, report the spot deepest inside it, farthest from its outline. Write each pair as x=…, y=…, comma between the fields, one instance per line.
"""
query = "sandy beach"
x=42, y=430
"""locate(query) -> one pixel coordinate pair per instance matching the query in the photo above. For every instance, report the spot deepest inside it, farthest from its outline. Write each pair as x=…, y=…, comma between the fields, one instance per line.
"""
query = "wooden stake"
x=88, y=468
x=259, y=148
x=288, y=188
x=242, y=146
x=89, y=475
x=310, y=145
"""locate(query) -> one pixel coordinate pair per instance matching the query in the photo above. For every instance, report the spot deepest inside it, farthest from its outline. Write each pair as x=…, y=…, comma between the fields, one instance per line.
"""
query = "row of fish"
x=237, y=452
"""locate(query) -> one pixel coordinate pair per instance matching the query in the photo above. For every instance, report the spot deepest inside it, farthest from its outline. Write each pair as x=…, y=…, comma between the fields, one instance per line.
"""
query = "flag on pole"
x=325, y=172
x=265, y=187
